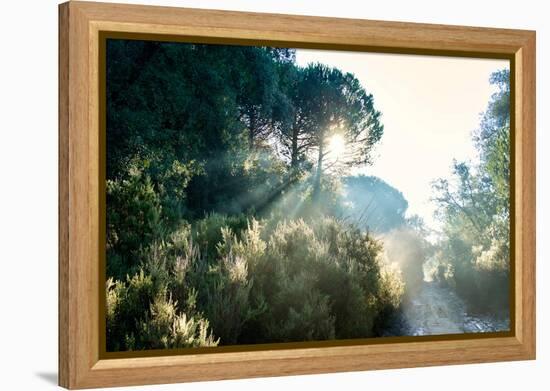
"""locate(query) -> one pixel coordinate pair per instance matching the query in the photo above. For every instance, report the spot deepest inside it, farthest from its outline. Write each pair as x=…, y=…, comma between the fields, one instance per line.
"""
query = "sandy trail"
x=437, y=310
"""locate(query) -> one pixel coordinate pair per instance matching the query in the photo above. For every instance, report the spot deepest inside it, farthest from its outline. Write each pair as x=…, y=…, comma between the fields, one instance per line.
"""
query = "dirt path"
x=437, y=310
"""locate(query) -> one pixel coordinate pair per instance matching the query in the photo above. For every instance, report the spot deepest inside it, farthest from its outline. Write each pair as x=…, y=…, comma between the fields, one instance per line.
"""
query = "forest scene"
x=247, y=202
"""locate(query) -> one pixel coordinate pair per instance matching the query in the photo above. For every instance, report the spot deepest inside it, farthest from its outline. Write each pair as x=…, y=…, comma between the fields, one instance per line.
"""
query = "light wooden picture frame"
x=82, y=25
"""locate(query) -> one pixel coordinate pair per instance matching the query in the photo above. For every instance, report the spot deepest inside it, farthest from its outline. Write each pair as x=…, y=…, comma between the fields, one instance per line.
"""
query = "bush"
x=269, y=282
x=479, y=272
x=300, y=312
x=133, y=223
x=227, y=303
x=164, y=328
x=329, y=277
x=207, y=232
x=140, y=316
x=127, y=306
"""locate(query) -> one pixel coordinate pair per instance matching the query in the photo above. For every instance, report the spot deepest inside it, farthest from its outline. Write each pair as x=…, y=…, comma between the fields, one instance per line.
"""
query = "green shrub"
x=322, y=282
x=227, y=302
x=207, y=232
x=479, y=273
x=127, y=306
x=270, y=282
x=133, y=223
x=300, y=312
x=164, y=328
x=140, y=316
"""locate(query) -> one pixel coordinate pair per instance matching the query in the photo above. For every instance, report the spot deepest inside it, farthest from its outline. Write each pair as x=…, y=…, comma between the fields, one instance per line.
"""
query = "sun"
x=336, y=146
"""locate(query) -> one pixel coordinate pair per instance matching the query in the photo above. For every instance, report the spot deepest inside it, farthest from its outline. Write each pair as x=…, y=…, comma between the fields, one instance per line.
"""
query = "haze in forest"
x=430, y=106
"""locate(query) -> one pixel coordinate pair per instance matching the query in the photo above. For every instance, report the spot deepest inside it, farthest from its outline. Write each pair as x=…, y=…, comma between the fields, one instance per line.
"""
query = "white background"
x=28, y=194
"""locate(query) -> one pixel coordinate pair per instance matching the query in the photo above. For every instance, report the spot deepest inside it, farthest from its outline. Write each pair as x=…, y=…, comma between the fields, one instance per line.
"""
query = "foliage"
x=163, y=125
x=165, y=329
x=373, y=204
x=208, y=232
x=200, y=139
x=133, y=222
x=225, y=220
x=475, y=256
x=275, y=281
x=334, y=103
x=139, y=316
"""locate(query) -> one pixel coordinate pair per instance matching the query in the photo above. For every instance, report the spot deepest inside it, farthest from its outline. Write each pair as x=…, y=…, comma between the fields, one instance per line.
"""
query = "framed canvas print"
x=247, y=195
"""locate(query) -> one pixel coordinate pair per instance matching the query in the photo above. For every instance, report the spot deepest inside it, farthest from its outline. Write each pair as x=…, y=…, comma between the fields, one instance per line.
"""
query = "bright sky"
x=430, y=106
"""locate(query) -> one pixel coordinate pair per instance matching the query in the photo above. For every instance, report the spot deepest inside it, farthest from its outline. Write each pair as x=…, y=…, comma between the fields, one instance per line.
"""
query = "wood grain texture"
x=80, y=365
x=63, y=200
x=526, y=203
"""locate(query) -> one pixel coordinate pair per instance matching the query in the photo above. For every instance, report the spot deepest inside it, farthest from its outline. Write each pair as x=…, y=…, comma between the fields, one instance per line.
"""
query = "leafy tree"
x=293, y=134
x=373, y=204
x=335, y=103
x=159, y=121
x=202, y=142
x=262, y=104
x=475, y=257
x=493, y=139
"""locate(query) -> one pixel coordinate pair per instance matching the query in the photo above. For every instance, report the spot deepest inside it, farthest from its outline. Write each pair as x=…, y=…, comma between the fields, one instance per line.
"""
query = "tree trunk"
x=294, y=151
x=319, y=173
x=251, y=129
